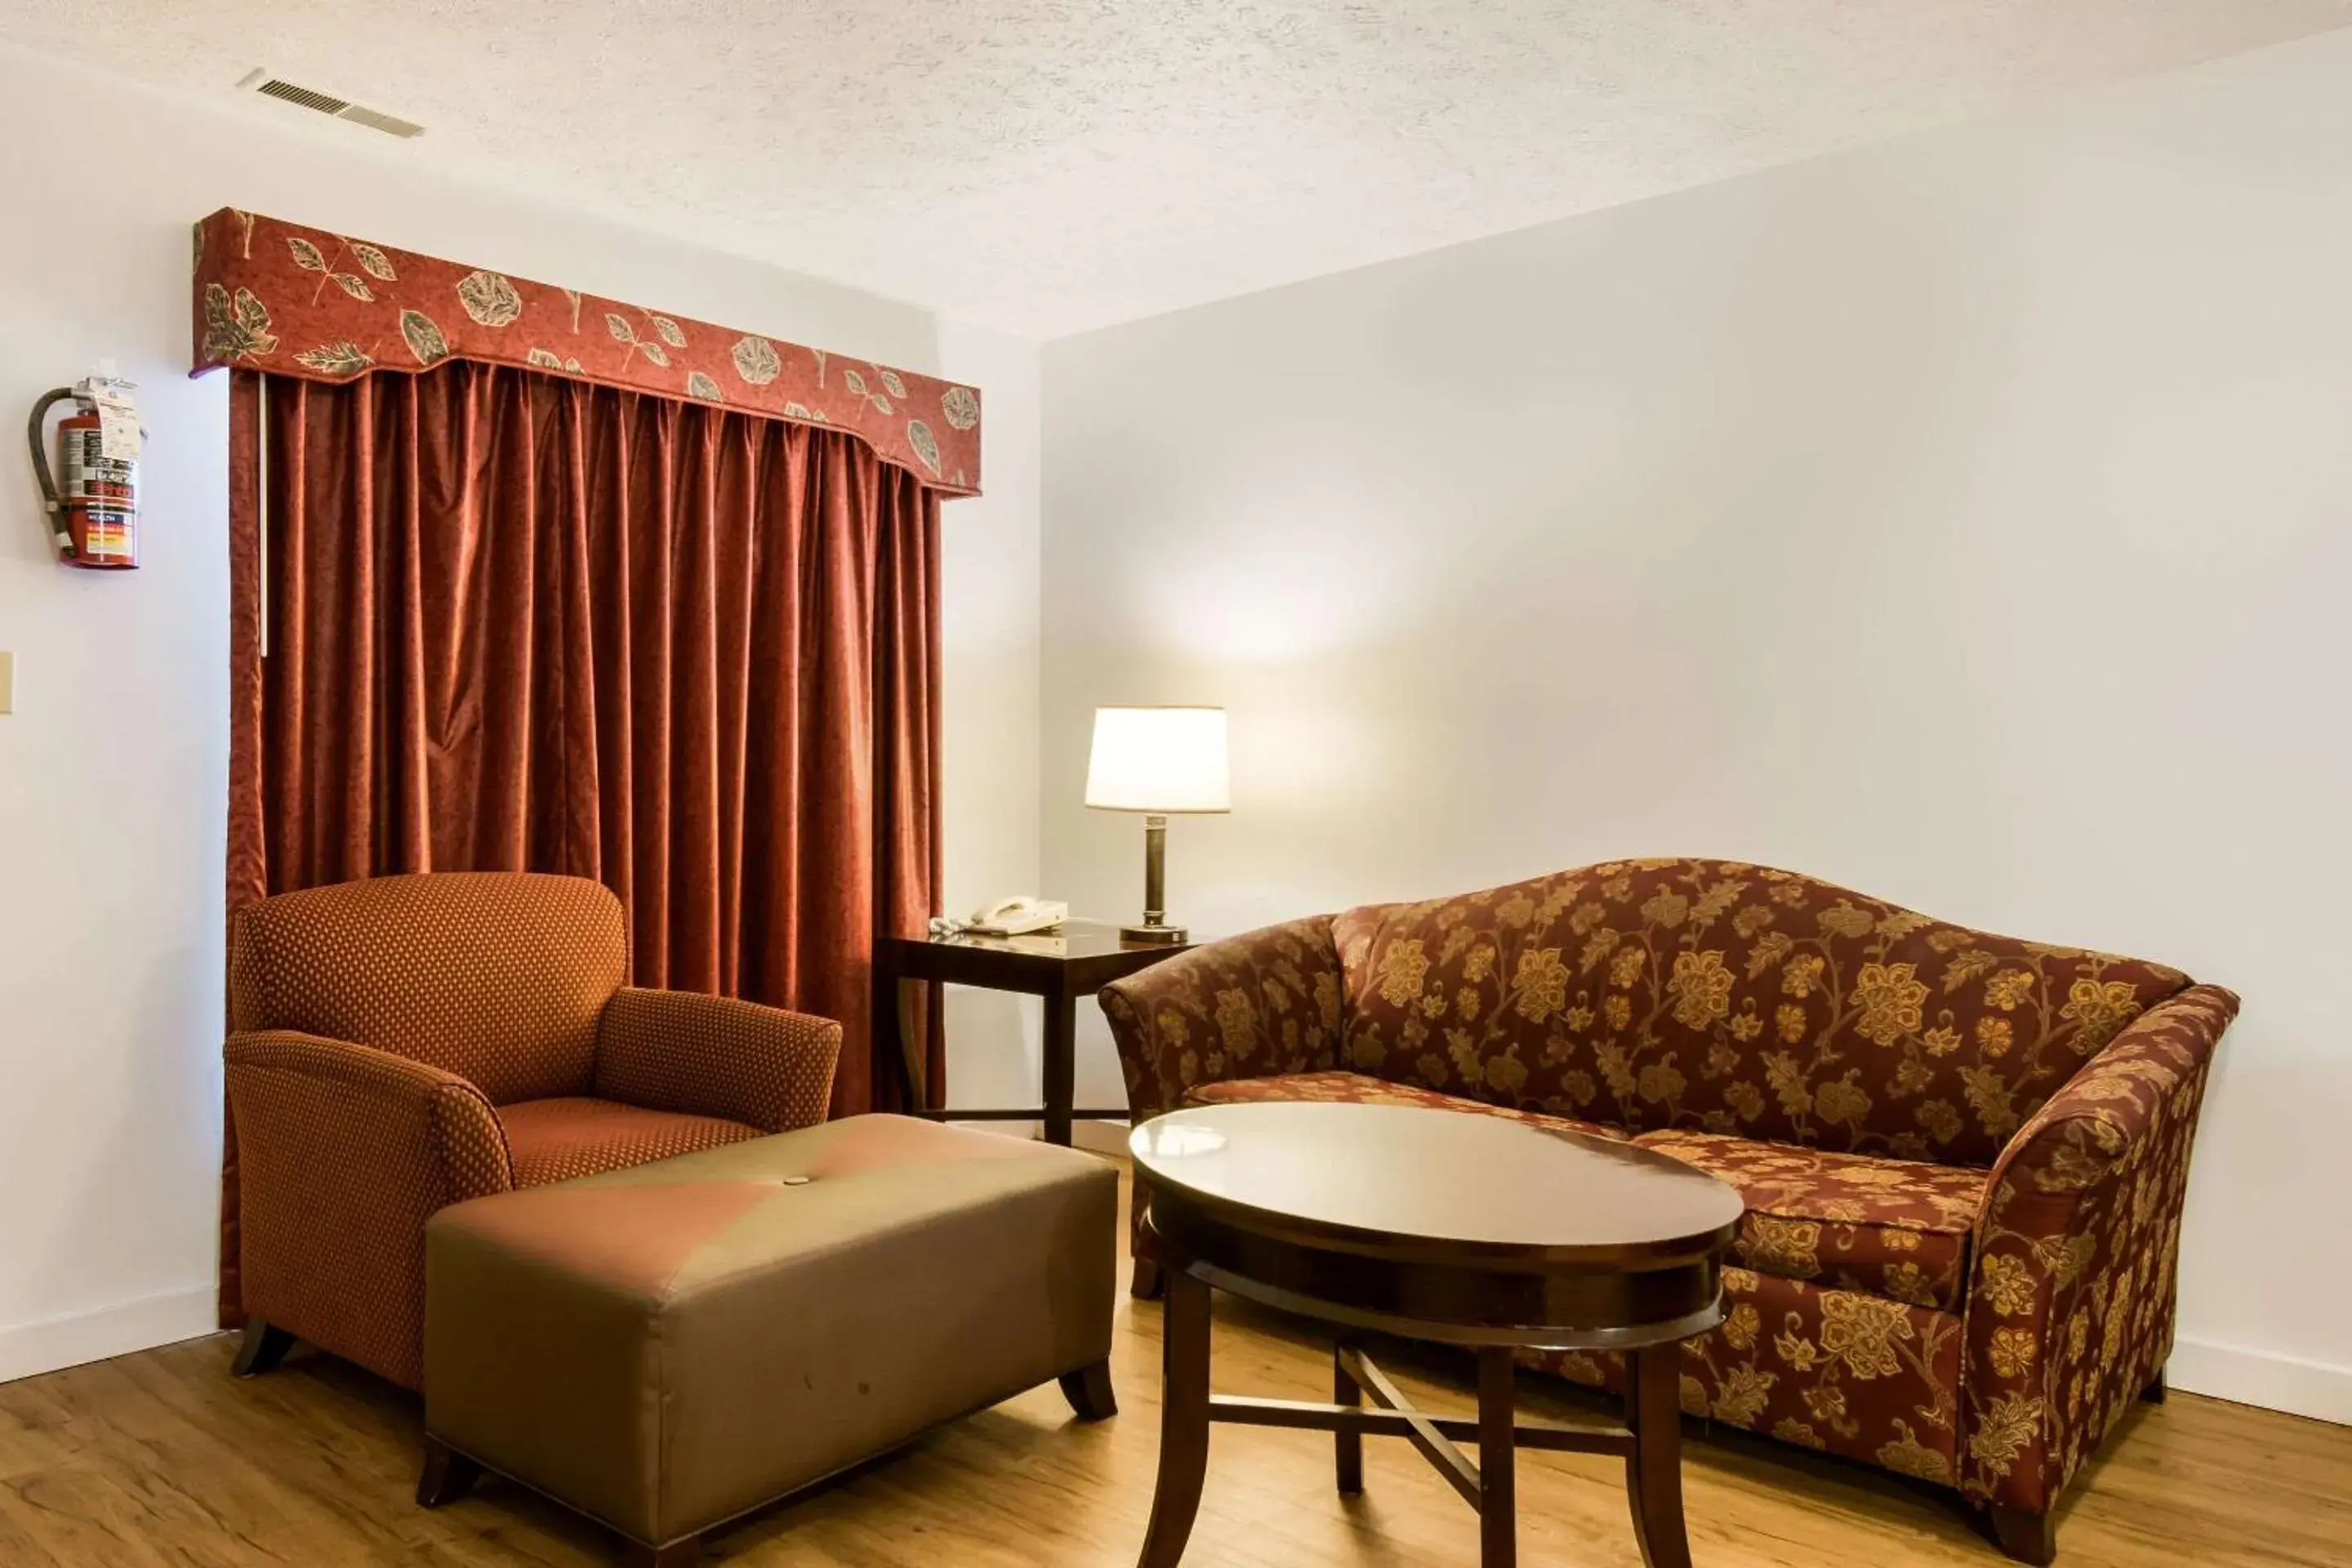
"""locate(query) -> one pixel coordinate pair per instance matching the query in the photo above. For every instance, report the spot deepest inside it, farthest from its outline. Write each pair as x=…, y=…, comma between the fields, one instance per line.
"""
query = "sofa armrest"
x=2072, y=1282
x=1253, y=1005
x=714, y=1056
x=343, y=1153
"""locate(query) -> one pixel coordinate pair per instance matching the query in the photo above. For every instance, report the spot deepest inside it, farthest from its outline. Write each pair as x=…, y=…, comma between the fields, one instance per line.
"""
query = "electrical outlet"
x=8, y=683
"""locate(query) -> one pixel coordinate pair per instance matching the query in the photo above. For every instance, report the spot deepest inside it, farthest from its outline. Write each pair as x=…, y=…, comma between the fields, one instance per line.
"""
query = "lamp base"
x=1165, y=936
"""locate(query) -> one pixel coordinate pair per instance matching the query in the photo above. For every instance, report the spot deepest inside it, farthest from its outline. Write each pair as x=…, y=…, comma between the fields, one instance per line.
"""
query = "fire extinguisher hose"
x=34, y=434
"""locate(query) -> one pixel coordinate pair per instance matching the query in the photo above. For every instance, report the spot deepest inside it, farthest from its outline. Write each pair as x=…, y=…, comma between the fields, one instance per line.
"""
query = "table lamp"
x=1158, y=760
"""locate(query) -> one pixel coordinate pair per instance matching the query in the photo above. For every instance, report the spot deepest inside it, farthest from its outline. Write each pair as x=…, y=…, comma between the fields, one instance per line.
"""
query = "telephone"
x=1016, y=916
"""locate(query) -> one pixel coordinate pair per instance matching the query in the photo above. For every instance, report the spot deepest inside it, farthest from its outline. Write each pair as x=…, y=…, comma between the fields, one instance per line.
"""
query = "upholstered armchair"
x=404, y=1043
x=1965, y=1156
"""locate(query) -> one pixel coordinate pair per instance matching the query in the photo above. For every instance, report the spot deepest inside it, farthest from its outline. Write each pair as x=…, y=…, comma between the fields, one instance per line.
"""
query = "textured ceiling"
x=1050, y=165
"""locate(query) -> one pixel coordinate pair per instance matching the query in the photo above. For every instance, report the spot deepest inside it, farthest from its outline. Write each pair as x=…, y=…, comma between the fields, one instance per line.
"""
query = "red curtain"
x=490, y=619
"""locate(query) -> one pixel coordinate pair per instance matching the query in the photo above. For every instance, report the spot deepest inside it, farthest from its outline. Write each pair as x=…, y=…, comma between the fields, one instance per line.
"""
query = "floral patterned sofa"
x=1964, y=1155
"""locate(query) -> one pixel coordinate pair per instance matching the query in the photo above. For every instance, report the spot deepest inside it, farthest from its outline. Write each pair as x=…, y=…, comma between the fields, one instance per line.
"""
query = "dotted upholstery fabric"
x=711, y=1056
x=1897, y=1228
x=379, y=1023
x=346, y=1152
x=1355, y=1088
x=559, y=1139
x=498, y=976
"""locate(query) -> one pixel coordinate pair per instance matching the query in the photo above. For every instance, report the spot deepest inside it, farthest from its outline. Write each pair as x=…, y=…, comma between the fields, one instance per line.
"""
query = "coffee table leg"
x=1498, y=1519
x=1184, y=1421
x=1654, y=1471
x=1347, y=1445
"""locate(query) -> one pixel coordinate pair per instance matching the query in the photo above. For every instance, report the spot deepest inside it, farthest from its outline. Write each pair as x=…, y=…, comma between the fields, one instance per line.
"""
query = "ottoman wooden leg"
x=447, y=1475
x=677, y=1554
x=1089, y=1391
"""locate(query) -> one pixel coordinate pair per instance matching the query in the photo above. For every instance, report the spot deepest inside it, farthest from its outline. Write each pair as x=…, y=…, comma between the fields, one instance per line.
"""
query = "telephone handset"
x=1017, y=916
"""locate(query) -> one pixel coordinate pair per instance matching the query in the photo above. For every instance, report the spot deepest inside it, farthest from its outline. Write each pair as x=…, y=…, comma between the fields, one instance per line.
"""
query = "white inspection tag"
x=118, y=419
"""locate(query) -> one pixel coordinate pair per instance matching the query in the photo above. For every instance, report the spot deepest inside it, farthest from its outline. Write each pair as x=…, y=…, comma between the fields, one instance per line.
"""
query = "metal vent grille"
x=305, y=96
x=268, y=86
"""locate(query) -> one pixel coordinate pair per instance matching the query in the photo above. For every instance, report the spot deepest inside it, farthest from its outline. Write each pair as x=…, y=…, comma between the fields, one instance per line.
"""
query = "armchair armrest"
x=343, y=1153
x=2073, y=1285
x=713, y=1056
x=1255, y=1005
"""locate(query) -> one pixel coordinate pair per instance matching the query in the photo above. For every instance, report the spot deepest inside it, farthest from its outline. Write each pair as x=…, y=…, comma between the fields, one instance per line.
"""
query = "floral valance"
x=271, y=295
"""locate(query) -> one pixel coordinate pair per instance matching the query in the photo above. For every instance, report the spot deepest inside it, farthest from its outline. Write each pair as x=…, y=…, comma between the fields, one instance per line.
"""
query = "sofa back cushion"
x=1731, y=998
x=496, y=976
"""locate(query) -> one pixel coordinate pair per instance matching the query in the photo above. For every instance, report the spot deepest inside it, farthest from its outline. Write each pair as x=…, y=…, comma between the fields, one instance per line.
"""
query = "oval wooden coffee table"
x=1434, y=1224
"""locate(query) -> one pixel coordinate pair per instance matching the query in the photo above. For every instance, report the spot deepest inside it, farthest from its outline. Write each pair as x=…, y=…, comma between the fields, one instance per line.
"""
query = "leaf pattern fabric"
x=271, y=295
x=1724, y=997
x=1897, y=1228
x=1965, y=1156
x=1253, y=1006
x=1355, y=1089
x=1842, y=1371
x=2070, y=1313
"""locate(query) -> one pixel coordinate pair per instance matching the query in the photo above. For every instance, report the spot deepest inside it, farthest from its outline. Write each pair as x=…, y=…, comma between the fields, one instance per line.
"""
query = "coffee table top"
x=1388, y=1179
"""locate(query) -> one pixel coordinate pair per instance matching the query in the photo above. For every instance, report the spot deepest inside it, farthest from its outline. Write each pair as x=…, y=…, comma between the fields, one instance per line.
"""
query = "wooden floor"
x=161, y=1459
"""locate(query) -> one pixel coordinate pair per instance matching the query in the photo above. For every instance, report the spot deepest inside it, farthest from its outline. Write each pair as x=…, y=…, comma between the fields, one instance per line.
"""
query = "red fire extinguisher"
x=94, y=514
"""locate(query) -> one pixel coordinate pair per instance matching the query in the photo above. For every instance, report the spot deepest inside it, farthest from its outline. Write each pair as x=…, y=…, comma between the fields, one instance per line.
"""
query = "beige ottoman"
x=666, y=1347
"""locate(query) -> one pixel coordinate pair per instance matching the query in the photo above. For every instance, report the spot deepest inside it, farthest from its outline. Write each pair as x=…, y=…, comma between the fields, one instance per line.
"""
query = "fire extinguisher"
x=94, y=515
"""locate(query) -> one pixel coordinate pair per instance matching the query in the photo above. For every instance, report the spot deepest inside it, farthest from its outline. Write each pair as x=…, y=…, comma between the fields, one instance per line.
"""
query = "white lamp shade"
x=1159, y=759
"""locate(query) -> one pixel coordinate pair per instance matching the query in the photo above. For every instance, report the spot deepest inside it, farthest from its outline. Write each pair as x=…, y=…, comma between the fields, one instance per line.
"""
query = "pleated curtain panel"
x=495, y=613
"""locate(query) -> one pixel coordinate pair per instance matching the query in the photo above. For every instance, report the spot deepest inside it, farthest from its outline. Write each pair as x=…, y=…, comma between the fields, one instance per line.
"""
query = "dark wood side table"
x=1433, y=1224
x=1076, y=959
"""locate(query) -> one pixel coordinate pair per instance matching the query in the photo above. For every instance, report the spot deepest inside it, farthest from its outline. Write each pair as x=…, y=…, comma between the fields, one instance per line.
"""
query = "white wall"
x=988, y=826
x=113, y=768
x=1963, y=520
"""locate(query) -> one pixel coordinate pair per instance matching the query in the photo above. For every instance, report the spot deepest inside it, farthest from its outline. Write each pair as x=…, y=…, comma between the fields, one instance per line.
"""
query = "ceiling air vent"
x=268, y=86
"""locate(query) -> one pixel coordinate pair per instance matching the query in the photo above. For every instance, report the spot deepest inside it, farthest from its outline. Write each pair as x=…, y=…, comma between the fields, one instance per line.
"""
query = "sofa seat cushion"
x=559, y=1139
x=1897, y=1229
x=1358, y=1088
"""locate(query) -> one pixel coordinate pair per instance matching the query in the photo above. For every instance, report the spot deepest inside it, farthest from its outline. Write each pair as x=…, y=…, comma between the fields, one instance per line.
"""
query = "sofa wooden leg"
x=446, y=1476
x=682, y=1554
x=2024, y=1536
x=2157, y=1388
x=1089, y=1391
x=264, y=1344
x=1147, y=1285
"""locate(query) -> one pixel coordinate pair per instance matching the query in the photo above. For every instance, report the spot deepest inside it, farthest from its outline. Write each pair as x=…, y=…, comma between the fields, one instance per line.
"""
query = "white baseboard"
x=2259, y=1377
x=27, y=1350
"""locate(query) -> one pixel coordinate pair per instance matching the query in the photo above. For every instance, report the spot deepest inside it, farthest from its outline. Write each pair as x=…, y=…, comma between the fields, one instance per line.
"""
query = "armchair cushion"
x=557, y=1140
x=1355, y=1088
x=706, y=1056
x=1897, y=1228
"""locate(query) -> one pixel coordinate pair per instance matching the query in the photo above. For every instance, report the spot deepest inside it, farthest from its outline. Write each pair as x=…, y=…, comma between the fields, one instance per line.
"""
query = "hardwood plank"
x=162, y=1459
